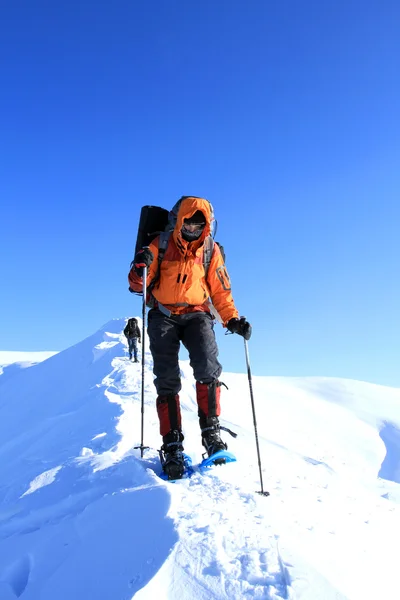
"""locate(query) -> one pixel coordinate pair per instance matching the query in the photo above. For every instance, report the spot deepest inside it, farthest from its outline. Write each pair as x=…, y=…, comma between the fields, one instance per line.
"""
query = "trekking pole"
x=262, y=492
x=144, y=291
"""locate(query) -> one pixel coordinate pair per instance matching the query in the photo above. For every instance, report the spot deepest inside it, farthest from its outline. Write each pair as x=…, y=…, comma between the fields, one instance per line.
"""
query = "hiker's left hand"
x=240, y=326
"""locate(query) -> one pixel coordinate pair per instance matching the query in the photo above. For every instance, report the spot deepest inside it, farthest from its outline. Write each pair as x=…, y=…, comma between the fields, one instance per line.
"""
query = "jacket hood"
x=187, y=208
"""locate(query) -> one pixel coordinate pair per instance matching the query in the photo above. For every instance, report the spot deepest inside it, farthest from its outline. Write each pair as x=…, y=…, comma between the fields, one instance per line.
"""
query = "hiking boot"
x=130, y=356
x=171, y=455
x=211, y=438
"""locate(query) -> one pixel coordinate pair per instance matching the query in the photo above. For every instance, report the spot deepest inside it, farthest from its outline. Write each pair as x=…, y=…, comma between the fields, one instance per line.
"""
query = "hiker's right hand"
x=143, y=259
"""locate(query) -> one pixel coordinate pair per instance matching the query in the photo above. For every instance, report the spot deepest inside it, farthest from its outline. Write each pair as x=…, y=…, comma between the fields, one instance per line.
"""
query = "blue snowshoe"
x=219, y=458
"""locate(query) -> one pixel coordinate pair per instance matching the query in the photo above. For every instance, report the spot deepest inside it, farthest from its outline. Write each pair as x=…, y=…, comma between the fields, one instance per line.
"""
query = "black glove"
x=143, y=258
x=240, y=326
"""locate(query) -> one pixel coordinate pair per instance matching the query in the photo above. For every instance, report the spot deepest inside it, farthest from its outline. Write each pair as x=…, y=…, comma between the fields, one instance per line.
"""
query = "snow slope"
x=11, y=361
x=83, y=517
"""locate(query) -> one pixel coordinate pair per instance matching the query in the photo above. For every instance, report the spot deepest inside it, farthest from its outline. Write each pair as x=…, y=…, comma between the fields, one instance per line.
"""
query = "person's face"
x=192, y=227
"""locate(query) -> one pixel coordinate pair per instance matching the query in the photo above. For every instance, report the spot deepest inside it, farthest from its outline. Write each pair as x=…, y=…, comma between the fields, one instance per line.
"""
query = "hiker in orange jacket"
x=181, y=313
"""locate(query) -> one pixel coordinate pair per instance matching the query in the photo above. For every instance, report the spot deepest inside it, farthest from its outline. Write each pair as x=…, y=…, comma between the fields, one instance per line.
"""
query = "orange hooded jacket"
x=182, y=286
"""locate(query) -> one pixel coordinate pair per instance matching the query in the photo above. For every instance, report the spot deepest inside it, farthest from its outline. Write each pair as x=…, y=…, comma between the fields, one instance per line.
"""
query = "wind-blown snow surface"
x=83, y=517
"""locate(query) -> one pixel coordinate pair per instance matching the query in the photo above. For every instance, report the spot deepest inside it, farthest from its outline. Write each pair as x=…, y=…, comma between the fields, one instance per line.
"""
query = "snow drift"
x=82, y=516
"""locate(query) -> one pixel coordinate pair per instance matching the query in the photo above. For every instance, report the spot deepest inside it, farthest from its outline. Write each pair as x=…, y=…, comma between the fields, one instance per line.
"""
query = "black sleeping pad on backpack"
x=153, y=220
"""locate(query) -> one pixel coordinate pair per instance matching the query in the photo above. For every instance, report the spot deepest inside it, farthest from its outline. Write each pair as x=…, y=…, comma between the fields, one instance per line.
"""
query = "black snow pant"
x=196, y=332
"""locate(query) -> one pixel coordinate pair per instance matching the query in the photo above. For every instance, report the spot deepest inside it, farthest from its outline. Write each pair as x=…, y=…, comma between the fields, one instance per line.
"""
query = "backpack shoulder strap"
x=207, y=253
x=162, y=246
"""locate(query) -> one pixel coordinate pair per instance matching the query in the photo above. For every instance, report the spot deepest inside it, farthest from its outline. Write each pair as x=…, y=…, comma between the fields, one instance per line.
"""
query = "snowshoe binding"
x=171, y=455
x=211, y=440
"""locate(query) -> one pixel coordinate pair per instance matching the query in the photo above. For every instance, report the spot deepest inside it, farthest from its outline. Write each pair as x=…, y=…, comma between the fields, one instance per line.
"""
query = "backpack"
x=132, y=327
x=155, y=221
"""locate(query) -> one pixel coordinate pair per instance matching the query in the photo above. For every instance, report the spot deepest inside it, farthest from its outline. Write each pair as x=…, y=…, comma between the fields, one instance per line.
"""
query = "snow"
x=45, y=478
x=82, y=516
x=12, y=361
x=8, y=357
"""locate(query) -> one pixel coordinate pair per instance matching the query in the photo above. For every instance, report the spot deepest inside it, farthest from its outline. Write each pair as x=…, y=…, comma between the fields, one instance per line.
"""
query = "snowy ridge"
x=11, y=356
x=76, y=499
x=11, y=361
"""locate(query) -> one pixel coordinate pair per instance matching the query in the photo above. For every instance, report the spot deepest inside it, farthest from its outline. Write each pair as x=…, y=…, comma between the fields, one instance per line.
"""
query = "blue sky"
x=283, y=114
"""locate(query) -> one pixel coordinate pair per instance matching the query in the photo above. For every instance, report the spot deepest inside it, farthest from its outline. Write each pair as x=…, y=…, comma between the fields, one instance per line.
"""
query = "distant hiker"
x=181, y=313
x=132, y=334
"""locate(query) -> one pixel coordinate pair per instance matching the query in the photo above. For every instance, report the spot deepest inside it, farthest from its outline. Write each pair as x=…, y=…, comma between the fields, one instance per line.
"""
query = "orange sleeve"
x=220, y=287
x=136, y=282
